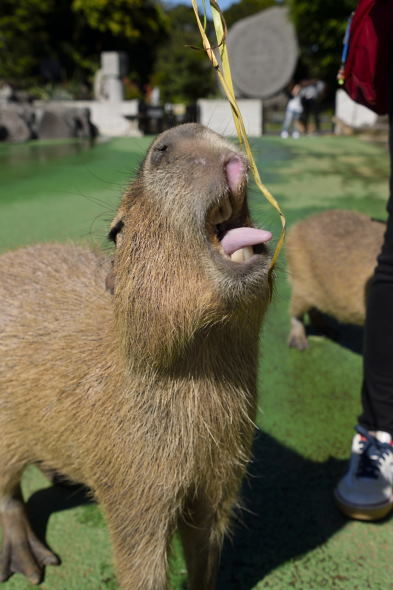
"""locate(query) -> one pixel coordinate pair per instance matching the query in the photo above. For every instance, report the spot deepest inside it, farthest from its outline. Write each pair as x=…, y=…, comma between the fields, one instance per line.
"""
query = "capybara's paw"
x=297, y=336
x=297, y=342
x=24, y=554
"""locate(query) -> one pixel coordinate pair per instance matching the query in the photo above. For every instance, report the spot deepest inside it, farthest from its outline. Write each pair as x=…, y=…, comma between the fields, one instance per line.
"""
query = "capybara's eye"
x=115, y=230
x=159, y=151
x=162, y=147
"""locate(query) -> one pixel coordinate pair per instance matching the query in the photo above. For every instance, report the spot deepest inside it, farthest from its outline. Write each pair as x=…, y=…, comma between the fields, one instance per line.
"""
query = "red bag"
x=367, y=68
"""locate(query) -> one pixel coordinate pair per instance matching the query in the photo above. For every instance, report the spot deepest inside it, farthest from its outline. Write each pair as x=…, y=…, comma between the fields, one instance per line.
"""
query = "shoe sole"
x=359, y=512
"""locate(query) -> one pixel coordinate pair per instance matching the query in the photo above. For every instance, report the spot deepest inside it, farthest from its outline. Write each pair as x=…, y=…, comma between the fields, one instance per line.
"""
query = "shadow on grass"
x=348, y=336
x=59, y=497
x=288, y=510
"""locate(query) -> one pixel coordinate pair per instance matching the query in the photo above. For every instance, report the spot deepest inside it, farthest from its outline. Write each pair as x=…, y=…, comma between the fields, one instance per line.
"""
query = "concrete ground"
x=290, y=535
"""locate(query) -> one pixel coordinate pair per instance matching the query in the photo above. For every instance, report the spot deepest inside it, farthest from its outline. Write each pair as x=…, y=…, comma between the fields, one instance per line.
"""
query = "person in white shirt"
x=292, y=114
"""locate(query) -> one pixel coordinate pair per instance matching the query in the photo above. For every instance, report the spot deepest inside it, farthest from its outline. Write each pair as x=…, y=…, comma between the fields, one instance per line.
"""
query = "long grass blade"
x=223, y=71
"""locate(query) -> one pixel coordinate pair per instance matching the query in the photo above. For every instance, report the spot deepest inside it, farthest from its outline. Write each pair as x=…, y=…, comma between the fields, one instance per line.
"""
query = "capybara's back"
x=52, y=346
x=331, y=256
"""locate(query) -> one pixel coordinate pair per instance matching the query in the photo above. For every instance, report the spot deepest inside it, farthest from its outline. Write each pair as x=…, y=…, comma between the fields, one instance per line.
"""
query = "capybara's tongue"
x=240, y=237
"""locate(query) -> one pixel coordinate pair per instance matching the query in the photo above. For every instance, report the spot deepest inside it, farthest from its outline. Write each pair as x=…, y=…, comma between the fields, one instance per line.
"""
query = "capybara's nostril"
x=235, y=171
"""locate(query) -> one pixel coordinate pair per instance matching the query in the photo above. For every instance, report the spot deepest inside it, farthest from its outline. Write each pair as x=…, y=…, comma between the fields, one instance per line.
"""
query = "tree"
x=23, y=35
x=183, y=71
x=320, y=27
x=246, y=8
x=72, y=33
x=134, y=26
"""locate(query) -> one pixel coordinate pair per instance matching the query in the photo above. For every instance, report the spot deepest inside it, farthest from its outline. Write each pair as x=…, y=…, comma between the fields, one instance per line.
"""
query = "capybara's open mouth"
x=237, y=242
x=229, y=228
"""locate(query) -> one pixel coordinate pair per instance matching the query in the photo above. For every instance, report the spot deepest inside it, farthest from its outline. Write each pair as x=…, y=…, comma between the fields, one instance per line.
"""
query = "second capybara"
x=137, y=376
x=331, y=256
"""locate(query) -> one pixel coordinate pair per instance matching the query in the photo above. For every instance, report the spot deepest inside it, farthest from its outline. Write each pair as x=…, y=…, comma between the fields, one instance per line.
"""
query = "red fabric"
x=370, y=53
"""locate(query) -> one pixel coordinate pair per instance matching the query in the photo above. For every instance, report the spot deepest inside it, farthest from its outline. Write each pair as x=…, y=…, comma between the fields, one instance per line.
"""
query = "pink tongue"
x=240, y=237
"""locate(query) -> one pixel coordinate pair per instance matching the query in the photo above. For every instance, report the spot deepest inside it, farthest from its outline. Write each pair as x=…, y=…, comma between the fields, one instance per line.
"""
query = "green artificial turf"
x=290, y=535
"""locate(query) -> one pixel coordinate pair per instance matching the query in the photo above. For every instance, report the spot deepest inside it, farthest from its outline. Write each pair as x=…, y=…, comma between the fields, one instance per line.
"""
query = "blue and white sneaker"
x=366, y=490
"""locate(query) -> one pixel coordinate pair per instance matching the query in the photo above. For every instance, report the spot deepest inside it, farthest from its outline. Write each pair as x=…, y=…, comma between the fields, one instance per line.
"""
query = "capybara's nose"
x=235, y=171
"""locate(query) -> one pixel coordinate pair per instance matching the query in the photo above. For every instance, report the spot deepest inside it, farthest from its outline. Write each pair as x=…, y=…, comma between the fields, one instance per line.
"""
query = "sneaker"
x=284, y=134
x=366, y=490
x=296, y=135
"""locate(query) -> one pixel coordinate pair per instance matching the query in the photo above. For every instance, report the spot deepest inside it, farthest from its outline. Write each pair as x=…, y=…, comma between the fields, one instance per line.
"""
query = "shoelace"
x=373, y=453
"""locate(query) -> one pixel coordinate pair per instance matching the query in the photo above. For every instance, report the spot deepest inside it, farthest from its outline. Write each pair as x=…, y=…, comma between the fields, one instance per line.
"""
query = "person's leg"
x=296, y=126
x=288, y=120
x=316, y=113
x=377, y=390
x=306, y=114
x=366, y=490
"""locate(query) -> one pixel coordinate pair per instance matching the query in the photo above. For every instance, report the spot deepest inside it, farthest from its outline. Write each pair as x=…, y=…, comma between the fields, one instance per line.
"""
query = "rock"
x=65, y=123
x=13, y=126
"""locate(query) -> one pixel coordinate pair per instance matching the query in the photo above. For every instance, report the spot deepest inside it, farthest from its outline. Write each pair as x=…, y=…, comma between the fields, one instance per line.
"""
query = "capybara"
x=331, y=256
x=137, y=376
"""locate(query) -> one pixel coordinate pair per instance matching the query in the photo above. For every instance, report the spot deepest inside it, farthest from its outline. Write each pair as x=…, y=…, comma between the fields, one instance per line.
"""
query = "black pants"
x=311, y=107
x=377, y=390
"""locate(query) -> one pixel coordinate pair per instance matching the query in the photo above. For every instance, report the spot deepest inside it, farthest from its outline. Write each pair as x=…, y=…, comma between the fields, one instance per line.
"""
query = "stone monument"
x=108, y=85
x=263, y=53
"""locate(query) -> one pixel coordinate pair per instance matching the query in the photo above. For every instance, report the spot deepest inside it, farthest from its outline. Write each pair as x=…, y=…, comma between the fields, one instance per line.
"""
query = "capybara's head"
x=187, y=255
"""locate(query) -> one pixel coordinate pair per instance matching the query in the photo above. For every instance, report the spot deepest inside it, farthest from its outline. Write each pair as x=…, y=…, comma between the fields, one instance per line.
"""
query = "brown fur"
x=147, y=395
x=331, y=256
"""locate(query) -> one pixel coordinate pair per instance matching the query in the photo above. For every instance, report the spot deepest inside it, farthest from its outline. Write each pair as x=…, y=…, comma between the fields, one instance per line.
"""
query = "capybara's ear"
x=115, y=230
x=114, y=236
x=110, y=280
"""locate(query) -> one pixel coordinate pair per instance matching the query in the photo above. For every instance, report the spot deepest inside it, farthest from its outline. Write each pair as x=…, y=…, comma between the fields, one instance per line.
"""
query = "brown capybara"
x=331, y=256
x=138, y=378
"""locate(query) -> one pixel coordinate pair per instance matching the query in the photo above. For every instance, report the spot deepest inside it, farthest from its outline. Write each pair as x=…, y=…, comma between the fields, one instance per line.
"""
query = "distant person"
x=311, y=94
x=292, y=114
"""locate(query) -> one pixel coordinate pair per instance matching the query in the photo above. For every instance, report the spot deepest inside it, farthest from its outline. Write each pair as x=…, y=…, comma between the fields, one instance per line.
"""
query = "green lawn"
x=290, y=536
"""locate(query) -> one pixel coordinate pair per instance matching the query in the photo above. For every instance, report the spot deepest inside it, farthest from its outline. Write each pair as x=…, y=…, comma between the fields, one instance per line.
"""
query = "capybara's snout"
x=235, y=168
x=197, y=167
x=191, y=198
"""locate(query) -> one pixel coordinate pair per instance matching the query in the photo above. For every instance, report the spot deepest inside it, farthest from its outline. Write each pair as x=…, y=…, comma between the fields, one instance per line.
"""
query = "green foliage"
x=130, y=19
x=72, y=33
x=246, y=8
x=20, y=23
x=320, y=27
x=182, y=69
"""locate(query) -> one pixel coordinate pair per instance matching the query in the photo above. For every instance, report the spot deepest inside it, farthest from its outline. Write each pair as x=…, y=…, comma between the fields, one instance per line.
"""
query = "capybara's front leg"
x=297, y=336
x=201, y=537
x=298, y=307
x=21, y=552
x=140, y=532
